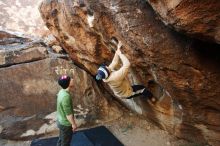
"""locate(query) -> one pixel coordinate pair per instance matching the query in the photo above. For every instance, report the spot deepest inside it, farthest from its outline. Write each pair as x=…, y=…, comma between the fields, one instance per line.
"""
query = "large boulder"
x=17, y=50
x=28, y=76
x=182, y=73
x=200, y=19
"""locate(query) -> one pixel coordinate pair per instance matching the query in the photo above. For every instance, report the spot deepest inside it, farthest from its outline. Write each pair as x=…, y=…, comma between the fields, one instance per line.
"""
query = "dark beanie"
x=102, y=73
x=64, y=81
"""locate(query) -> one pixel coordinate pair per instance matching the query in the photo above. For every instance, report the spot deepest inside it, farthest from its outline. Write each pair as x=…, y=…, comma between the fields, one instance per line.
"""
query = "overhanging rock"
x=185, y=72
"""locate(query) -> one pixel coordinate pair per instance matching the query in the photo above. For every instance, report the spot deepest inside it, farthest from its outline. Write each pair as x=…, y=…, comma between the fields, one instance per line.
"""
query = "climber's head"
x=102, y=73
x=65, y=81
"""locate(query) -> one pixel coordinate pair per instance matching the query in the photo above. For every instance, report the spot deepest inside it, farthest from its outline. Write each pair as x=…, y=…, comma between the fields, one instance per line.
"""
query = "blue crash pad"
x=98, y=136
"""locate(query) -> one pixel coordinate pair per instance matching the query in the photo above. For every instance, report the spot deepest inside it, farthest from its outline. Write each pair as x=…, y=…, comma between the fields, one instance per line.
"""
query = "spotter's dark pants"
x=65, y=135
x=140, y=90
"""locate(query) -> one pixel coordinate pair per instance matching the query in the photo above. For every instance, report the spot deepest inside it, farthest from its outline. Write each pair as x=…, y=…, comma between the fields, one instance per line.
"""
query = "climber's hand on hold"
x=119, y=45
x=118, y=51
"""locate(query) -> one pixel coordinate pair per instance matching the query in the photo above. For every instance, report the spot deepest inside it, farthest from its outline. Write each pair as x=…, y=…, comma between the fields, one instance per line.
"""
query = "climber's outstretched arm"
x=123, y=71
x=115, y=60
x=124, y=59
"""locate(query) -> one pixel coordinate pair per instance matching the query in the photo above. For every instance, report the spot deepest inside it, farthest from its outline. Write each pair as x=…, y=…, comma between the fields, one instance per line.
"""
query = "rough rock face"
x=28, y=76
x=22, y=16
x=16, y=50
x=200, y=19
x=185, y=72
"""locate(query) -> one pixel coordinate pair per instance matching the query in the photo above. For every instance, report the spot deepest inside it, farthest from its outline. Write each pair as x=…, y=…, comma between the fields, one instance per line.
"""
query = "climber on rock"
x=117, y=79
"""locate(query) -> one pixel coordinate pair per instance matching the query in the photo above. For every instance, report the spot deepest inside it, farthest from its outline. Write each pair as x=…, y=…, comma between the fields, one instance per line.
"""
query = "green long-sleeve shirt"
x=64, y=107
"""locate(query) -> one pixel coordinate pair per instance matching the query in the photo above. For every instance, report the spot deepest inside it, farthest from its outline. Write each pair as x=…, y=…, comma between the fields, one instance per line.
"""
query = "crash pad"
x=98, y=136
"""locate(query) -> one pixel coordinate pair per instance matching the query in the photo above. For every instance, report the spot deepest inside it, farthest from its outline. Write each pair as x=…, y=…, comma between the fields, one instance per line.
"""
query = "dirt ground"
x=131, y=130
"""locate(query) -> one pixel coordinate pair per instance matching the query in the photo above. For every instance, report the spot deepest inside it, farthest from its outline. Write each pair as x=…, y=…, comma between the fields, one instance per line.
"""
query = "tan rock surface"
x=200, y=19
